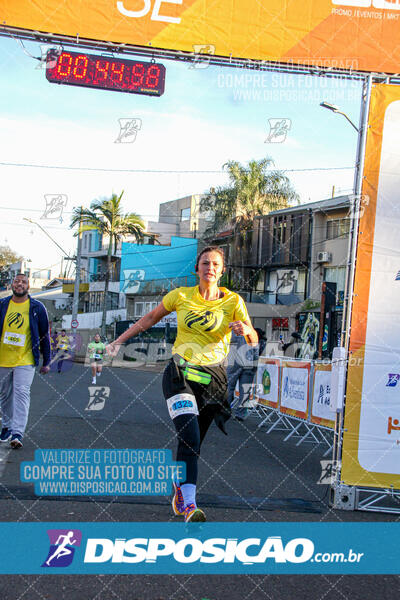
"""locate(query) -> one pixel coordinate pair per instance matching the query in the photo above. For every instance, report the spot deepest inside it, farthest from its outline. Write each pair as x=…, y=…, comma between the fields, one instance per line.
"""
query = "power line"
x=168, y=172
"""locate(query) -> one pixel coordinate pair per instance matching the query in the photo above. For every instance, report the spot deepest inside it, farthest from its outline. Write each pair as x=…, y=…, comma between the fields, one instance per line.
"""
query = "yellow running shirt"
x=16, y=344
x=63, y=342
x=203, y=333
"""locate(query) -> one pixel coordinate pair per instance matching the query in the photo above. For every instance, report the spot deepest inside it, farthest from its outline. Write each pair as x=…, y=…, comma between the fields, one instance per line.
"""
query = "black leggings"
x=191, y=431
x=212, y=404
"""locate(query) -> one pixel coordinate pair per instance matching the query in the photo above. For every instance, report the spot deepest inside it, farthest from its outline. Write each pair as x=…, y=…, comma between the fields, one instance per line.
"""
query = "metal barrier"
x=294, y=396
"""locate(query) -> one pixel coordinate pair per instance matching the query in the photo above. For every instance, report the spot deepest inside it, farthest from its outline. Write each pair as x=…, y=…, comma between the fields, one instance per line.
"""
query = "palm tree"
x=106, y=216
x=252, y=190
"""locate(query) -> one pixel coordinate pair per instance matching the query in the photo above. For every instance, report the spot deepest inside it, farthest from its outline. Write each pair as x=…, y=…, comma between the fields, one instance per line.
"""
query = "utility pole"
x=75, y=300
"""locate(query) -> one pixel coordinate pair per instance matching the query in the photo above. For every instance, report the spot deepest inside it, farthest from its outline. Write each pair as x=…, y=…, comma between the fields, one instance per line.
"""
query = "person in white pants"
x=24, y=334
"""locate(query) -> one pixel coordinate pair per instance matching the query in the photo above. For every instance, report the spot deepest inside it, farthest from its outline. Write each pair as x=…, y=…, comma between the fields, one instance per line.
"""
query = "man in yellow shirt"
x=63, y=348
x=24, y=334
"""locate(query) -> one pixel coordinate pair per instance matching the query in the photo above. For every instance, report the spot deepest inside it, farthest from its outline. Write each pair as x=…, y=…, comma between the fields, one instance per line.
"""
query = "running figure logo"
x=98, y=397
x=202, y=55
x=286, y=280
x=128, y=129
x=132, y=280
x=329, y=469
x=278, y=129
x=62, y=547
x=55, y=204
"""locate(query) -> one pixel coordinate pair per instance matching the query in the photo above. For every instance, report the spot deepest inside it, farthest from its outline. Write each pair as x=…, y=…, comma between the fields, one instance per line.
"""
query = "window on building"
x=148, y=306
x=336, y=275
x=142, y=308
x=113, y=300
x=336, y=228
x=300, y=285
x=296, y=232
x=271, y=281
x=185, y=214
x=225, y=250
x=278, y=239
x=260, y=281
x=139, y=309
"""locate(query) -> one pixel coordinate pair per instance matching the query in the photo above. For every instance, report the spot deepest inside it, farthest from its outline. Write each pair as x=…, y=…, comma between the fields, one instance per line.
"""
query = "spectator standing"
x=24, y=328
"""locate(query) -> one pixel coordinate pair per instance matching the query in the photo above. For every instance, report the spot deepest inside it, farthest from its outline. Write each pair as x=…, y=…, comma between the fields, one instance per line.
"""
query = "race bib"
x=14, y=339
x=97, y=356
x=182, y=404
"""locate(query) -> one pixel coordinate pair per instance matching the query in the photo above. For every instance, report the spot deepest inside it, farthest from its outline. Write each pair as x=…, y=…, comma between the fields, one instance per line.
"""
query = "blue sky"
x=206, y=117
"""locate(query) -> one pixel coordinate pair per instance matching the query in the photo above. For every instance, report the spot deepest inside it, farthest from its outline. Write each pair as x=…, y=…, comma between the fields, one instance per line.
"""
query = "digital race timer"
x=105, y=73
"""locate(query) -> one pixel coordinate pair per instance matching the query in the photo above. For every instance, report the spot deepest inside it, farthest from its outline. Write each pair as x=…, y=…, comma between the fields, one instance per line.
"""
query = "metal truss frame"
x=345, y=497
x=314, y=66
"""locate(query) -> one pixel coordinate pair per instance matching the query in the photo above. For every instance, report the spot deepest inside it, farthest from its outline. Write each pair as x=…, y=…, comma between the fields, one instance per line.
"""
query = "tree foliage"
x=107, y=217
x=8, y=256
x=254, y=189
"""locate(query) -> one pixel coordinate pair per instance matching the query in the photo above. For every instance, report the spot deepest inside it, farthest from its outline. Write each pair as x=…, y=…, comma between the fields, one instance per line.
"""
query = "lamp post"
x=354, y=211
x=48, y=235
x=336, y=110
x=77, y=261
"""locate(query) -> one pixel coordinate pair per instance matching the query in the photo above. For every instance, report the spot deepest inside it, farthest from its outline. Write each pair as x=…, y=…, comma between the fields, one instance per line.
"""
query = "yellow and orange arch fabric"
x=357, y=34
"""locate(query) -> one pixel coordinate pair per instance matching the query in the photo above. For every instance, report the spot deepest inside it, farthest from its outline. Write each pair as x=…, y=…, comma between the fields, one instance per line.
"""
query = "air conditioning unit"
x=324, y=257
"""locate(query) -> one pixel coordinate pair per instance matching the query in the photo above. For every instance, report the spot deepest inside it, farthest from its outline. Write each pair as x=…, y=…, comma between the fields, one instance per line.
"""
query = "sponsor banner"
x=295, y=388
x=356, y=34
x=322, y=412
x=268, y=379
x=194, y=548
x=113, y=472
x=371, y=440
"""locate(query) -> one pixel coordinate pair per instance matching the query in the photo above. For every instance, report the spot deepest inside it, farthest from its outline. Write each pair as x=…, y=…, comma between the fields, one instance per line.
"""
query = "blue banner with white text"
x=194, y=548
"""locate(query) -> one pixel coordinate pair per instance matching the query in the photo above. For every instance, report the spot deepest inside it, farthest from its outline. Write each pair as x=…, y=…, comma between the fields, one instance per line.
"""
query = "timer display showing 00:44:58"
x=100, y=72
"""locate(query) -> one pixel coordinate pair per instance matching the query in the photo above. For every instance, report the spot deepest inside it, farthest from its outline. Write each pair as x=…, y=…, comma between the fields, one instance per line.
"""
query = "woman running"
x=194, y=381
x=96, y=352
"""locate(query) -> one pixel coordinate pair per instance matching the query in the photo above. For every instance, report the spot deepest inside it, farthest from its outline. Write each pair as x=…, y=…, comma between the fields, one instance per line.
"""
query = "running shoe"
x=16, y=441
x=5, y=434
x=194, y=514
x=178, y=505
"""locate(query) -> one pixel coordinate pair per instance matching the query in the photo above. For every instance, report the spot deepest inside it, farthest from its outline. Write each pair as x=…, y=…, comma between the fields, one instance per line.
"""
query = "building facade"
x=280, y=267
x=179, y=218
x=149, y=272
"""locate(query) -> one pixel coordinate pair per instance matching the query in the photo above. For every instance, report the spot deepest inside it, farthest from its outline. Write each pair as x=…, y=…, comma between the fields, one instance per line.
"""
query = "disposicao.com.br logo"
x=62, y=547
x=248, y=551
x=191, y=550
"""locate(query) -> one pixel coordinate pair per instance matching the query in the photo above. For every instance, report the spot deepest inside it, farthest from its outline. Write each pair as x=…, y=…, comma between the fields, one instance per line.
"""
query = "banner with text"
x=295, y=388
x=371, y=441
x=267, y=383
x=350, y=34
x=193, y=548
x=321, y=407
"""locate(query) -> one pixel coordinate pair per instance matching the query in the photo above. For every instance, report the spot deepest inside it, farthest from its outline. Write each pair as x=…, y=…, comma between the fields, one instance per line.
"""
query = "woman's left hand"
x=240, y=328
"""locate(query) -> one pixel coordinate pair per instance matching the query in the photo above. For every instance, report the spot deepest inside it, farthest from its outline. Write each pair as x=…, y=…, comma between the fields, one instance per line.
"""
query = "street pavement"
x=243, y=477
